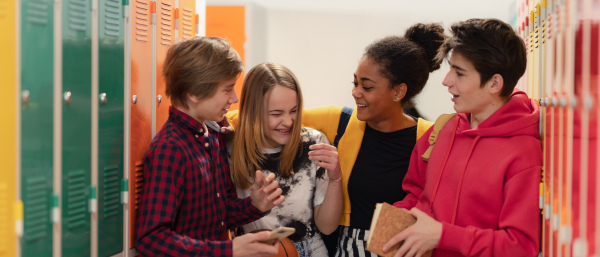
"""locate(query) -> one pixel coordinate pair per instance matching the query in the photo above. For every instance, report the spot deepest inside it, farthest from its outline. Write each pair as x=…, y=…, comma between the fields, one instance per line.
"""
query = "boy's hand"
x=265, y=192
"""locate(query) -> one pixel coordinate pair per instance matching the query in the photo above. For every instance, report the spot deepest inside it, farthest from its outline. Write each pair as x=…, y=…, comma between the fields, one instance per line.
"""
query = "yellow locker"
x=8, y=131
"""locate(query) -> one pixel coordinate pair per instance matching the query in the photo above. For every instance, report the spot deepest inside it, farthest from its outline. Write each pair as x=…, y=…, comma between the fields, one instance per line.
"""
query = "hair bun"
x=429, y=37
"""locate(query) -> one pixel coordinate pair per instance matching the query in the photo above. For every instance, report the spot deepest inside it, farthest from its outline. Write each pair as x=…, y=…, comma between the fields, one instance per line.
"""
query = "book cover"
x=387, y=222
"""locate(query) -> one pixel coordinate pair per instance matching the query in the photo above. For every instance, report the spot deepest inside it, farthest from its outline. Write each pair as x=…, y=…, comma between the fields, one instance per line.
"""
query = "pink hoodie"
x=482, y=183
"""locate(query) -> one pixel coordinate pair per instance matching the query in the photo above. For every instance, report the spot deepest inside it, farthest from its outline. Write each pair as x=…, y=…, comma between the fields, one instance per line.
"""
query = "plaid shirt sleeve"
x=161, y=198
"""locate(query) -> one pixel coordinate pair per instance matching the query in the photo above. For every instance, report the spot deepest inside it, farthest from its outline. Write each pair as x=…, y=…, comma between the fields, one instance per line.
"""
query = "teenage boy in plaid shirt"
x=188, y=201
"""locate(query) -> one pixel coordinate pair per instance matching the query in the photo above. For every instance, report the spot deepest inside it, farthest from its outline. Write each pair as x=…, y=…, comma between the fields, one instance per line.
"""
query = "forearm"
x=165, y=242
x=241, y=212
x=329, y=213
x=472, y=241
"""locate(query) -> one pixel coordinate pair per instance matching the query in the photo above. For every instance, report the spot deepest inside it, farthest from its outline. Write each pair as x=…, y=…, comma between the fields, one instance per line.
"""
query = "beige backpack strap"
x=439, y=124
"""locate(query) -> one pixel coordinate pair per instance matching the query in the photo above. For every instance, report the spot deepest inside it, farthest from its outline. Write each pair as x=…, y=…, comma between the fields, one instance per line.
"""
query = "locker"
x=141, y=102
x=76, y=128
x=8, y=133
x=187, y=23
x=593, y=221
x=111, y=61
x=37, y=47
x=580, y=135
x=229, y=22
x=165, y=37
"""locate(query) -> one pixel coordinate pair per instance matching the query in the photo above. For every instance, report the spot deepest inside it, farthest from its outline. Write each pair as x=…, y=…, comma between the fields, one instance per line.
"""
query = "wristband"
x=337, y=179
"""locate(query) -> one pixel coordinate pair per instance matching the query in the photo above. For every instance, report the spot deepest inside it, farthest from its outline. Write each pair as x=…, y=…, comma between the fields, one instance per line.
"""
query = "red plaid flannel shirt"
x=188, y=200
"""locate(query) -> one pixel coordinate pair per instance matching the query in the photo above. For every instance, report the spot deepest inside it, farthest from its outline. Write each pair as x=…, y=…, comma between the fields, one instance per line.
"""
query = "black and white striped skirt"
x=352, y=243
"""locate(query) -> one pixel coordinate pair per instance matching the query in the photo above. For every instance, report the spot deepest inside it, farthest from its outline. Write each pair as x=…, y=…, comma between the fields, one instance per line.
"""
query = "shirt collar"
x=186, y=120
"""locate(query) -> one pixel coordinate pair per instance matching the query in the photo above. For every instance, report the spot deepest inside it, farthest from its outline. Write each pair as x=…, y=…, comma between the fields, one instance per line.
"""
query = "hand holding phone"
x=279, y=233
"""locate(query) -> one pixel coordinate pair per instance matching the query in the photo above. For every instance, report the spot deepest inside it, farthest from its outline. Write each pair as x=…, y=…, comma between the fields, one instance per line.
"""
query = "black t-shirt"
x=378, y=172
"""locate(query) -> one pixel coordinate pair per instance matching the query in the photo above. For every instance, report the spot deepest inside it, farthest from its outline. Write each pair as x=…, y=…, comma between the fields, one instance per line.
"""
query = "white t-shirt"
x=303, y=191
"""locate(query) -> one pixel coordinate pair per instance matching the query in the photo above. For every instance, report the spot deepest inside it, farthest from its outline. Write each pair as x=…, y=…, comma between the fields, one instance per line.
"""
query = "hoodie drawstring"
x=437, y=184
x=462, y=174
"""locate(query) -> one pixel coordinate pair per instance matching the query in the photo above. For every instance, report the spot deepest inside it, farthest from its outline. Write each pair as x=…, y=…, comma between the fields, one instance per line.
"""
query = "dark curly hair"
x=409, y=59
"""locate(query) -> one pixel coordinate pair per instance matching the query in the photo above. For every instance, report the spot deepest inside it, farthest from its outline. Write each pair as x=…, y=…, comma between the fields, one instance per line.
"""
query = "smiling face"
x=214, y=107
x=464, y=84
x=281, y=112
x=372, y=92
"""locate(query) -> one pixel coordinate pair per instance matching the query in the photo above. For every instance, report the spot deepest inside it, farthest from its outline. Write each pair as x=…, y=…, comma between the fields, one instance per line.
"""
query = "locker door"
x=76, y=127
x=187, y=24
x=593, y=233
x=141, y=102
x=229, y=22
x=110, y=126
x=8, y=133
x=37, y=49
x=580, y=132
x=165, y=37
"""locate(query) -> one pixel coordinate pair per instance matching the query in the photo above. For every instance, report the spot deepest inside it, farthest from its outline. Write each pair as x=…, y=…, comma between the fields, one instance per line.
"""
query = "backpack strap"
x=439, y=124
x=344, y=118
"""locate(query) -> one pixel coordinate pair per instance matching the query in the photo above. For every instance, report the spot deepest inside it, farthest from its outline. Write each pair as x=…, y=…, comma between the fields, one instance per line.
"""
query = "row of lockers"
x=84, y=97
x=562, y=39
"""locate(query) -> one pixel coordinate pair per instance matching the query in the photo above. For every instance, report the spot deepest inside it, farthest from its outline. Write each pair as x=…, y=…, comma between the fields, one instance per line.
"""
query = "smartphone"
x=279, y=233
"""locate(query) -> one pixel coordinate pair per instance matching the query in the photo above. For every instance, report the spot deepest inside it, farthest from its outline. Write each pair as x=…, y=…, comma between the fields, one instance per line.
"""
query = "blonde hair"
x=249, y=139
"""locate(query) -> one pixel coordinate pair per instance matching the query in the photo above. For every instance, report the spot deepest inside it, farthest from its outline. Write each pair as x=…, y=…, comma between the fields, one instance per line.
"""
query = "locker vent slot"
x=188, y=23
x=36, y=208
x=142, y=20
x=37, y=12
x=166, y=23
x=111, y=198
x=139, y=183
x=78, y=13
x=5, y=218
x=112, y=17
x=76, y=199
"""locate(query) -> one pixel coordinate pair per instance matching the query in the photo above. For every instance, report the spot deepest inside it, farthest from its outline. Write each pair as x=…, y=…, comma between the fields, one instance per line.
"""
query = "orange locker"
x=140, y=101
x=229, y=22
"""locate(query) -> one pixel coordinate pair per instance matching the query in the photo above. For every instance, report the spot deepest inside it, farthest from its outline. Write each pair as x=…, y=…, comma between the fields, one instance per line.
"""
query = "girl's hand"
x=326, y=156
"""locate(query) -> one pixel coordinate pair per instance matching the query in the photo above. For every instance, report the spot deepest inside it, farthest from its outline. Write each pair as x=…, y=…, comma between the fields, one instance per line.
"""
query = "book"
x=387, y=222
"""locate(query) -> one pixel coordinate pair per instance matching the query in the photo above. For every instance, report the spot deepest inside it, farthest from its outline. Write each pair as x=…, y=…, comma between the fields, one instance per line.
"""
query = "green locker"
x=76, y=127
x=36, y=125
x=111, y=126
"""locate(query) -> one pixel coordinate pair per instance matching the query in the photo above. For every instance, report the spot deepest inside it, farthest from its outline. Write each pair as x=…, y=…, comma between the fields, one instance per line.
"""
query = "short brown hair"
x=249, y=139
x=492, y=46
x=197, y=65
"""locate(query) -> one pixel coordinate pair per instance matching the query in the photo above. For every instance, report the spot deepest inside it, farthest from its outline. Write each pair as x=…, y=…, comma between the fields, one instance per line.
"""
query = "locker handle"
x=67, y=97
x=134, y=99
x=25, y=96
x=588, y=102
x=103, y=98
x=159, y=98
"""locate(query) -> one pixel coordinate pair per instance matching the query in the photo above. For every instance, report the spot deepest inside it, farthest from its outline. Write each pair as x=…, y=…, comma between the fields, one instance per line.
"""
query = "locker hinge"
x=55, y=209
x=124, y=191
x=93, y=202
x=19, y=218
x=197, y=20
x=542, y=195
x=153, y=11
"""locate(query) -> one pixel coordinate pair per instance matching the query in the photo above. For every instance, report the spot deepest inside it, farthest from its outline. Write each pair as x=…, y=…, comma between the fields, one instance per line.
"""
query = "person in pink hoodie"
x=477, y=195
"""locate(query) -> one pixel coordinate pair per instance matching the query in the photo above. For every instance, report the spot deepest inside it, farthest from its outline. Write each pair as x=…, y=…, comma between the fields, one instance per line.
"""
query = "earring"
x=396, y=99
